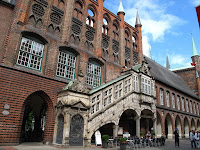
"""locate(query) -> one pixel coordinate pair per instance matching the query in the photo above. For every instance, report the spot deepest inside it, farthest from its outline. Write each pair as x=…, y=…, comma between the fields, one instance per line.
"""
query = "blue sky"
x=166, y=27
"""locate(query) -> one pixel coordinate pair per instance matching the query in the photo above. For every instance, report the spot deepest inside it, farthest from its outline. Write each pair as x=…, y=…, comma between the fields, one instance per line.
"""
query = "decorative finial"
x=121, y=9
x=137, y=22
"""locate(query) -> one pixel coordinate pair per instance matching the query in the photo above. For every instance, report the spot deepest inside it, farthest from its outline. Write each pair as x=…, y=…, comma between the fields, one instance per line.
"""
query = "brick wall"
x=15, y=87
x=6, y=12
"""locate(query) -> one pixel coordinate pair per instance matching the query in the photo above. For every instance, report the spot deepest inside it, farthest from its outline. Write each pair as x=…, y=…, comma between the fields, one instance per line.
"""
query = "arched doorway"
x=60, y=125
x=186, y=128
x=159, y=128
x=168, y=127
x=34, y=118
x=127, y=122
x=192, y=125
x=76, y=131
x=198, y=125
x=146, y=122
x=178, y=125
x=106, y=129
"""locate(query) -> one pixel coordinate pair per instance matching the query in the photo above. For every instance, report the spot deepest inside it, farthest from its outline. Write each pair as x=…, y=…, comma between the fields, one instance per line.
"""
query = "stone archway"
x=159, y=126
x=146, y=122
x=168, y=127
x=186, y=128
x=37, y=108
x=192, y=124
x=127, y=122
x=178, y=125
x=198, y=125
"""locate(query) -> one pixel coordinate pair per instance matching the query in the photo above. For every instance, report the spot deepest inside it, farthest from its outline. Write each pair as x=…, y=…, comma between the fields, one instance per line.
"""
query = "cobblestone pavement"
x=184, y=145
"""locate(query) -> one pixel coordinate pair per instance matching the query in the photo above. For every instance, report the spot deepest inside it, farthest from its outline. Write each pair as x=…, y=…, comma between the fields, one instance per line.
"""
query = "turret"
x=121, y=15
x=138, y=26
x=195, y=55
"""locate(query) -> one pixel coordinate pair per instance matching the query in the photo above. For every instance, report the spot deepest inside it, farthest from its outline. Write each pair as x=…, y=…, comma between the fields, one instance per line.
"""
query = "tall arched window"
x=66, y=64
x=30, y=53
x=93, y=74
x=167, y=98
x=183, y=104
x=105, y=26
x=173, y=100
x=161, y=97
x=90, y=19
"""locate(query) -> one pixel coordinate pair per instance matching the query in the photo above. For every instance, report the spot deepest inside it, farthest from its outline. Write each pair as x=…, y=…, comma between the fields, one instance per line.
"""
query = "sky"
x=166, y=27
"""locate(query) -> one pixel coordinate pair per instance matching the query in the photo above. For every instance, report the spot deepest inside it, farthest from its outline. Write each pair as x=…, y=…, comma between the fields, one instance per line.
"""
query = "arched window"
x=78, y=9
x=183, y=104
x=66, y=64
x=161, y=97
x=178, y=102
x=173, y=100
x=167, y=98
x=186, y=104
x=105, y=26
x=30, y=52
x=93, y=74
x=90, y=19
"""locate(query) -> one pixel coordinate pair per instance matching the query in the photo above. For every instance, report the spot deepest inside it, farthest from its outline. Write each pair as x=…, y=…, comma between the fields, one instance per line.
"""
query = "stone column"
x=66, y=129
x=155, y=125
x=138, y=126
x=115, y=131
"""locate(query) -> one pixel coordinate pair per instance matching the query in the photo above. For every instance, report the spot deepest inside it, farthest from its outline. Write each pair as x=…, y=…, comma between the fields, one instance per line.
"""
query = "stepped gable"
x=170, y=78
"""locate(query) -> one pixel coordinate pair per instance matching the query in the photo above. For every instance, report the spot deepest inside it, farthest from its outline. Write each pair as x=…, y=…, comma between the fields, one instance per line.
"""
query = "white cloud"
x=179, y=60
x=196, y=2
x=155, y=18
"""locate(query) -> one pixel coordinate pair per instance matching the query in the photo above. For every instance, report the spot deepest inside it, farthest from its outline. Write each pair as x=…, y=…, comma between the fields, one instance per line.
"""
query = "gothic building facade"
x=71, y=67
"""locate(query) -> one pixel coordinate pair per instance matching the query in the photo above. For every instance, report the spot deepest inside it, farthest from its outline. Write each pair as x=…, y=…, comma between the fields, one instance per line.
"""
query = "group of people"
x=195, y=138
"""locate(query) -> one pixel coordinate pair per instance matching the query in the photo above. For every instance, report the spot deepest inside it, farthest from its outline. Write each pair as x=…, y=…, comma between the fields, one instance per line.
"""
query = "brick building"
x=69, y=68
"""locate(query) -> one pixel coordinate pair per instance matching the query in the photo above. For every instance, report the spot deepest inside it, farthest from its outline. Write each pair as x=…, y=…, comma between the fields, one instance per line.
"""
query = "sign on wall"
x=98, y=140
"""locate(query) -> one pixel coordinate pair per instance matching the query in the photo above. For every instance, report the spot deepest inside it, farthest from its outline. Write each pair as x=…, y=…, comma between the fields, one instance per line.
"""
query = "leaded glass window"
x=30, y=54
x=93, y=75
x=135, y=83
x=66, y=65
x=197, y=109
x=118, y=91
x=127, y=86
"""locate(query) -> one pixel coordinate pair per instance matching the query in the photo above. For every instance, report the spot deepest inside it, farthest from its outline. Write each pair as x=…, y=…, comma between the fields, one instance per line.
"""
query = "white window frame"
x=135, y=83
x=118, y=91
x=127, y=85
x=93, y=74
x=30, y=54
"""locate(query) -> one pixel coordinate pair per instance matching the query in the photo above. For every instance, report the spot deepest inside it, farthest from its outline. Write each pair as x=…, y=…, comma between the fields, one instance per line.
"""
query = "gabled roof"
x=170, y=78
x=182, y=68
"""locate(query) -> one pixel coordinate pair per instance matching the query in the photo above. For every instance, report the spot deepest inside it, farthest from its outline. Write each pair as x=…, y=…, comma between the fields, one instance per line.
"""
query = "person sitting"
x=148, y=135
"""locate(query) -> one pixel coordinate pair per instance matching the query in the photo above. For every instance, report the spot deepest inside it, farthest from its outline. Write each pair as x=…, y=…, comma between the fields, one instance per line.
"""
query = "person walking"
x=192, y=139
x=176, y=133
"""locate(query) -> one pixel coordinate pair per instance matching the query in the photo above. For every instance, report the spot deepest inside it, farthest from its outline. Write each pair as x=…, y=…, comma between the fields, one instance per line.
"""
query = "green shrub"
x=153, y=133
x=141, y=133
x=123, y=140
x=105, y=138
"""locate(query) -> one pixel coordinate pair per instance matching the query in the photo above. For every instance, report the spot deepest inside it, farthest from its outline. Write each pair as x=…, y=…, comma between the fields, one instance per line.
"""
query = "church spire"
x=194, y=49
x=137, y=22
x=167, y=62
x=149, y=53
x=121, y=9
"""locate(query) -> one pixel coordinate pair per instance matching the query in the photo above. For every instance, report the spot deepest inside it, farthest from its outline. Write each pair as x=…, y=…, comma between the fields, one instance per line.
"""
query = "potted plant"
x=123, y=144
x=105, y=141
x=141, y=134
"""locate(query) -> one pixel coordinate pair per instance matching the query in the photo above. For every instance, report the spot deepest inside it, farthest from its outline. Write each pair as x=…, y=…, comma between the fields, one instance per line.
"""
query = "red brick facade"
x=59, y=25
